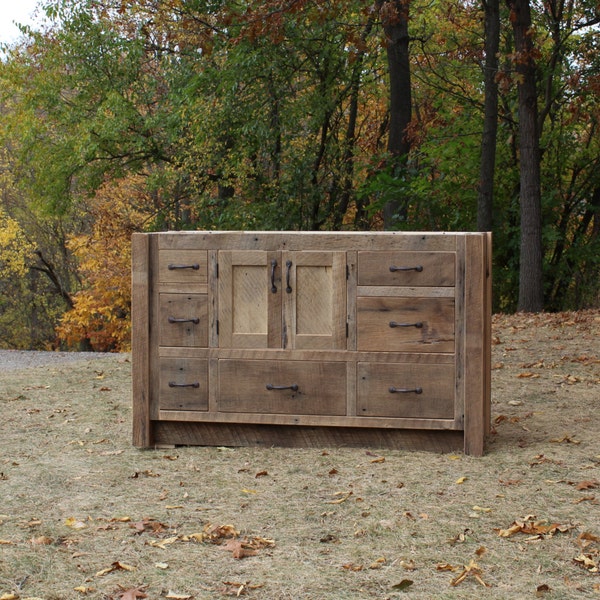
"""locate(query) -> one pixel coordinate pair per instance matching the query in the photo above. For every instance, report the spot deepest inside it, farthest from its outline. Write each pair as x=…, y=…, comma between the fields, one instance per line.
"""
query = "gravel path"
x=13, y=360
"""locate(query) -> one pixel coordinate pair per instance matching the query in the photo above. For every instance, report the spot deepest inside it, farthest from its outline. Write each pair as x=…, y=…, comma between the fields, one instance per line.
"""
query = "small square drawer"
x=183, y=384
x=282, y=387
x=391, y=324
x=434, y=269
x=183, y=266
x=405, y=390
x=183, y=320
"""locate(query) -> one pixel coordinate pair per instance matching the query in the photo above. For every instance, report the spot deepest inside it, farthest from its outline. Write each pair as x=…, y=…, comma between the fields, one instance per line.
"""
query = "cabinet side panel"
x=476, y=338
x=140, y=338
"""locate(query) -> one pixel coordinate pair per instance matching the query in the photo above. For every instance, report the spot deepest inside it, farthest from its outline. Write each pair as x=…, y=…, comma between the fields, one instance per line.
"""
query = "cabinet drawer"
x=183, y=384
x=405, y=390
x=391, y=324
x=406, y=268
x=183, y=320
x=183, y=266
x=282, y=387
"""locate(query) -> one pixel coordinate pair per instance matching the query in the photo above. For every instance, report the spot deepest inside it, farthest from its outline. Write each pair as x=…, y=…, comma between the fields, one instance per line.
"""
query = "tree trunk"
x=490, y=119
x=531, y=289
x=394, y=16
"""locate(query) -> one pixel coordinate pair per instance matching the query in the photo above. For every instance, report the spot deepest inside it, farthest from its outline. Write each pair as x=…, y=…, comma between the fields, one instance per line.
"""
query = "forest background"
x=121, y=116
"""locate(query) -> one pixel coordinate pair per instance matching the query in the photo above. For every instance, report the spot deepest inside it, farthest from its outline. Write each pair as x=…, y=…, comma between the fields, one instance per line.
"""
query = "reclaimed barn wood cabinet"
x=312, y=339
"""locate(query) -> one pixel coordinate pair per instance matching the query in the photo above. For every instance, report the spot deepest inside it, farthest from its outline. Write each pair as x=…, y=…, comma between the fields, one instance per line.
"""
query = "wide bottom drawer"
x=183, y=384
x=282, y=387
x=406, y=390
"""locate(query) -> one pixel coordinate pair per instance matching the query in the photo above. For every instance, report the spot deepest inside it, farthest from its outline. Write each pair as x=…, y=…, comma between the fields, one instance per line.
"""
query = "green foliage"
x=274, y=115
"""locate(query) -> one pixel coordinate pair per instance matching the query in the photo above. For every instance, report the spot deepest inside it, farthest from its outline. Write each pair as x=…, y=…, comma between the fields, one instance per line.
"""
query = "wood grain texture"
x=312, y=309
x=477, y=322
x=391, y=324
x=140, y=339
x=266, y=436
x=406, y=268
x=420, y=391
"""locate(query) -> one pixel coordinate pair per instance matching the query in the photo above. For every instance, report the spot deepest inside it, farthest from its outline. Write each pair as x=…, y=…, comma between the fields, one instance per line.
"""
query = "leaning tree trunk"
x=490, y=119
x=531, y=290
x=394, y=17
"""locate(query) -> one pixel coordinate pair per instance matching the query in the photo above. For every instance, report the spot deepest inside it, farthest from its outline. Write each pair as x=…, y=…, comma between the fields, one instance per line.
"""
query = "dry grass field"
x=83, y=514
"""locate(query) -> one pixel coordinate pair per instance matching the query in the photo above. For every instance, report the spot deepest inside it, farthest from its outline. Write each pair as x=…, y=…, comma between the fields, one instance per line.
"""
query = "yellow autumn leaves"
x=15, y=249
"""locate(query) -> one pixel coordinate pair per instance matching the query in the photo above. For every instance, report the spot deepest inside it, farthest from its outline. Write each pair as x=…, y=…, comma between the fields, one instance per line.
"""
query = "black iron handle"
x=195, y=266
x=394, y=268
x=194, y=320
x=173, y=384
x=395, y=390
x=293, y=387
x=288, y=264
x=273, y=267
x=418, y=324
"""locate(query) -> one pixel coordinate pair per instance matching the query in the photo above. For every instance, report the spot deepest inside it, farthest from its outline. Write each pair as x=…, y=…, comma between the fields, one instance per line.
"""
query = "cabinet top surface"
x=310, y=240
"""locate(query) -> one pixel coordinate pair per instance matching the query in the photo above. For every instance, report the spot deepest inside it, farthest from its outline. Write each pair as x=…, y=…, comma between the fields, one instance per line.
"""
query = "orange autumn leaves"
x=100, y=316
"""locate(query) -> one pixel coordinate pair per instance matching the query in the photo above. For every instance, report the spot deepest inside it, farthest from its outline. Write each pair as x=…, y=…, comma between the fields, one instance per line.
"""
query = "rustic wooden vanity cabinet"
x=312, y=339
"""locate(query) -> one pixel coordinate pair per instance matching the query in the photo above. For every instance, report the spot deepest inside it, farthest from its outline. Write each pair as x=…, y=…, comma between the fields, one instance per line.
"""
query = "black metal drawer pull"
x=293, y=387
x=273, y=267
x=395, y=390
x=418, y=324
x=195, y=266
x=288, y=264
x=172, y=384
x=195, y=320
x=418, y=268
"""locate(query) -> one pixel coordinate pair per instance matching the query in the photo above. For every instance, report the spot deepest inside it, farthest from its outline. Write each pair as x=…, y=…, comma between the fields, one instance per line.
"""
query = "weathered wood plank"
x=140, y=336
x=221, y=434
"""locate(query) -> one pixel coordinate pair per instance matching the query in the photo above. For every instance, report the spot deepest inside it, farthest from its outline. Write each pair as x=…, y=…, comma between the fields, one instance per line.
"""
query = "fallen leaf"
x=82, y=589
x=175, y=596
x=533, y=528
x=380, y=459
x=161, y=565
x=261, y=474
x=542, y=589
x=587, y=562
x=352, y=567
x=133, y=594
x=377, y=564
x=342, y=499
x=403, y=585
x=42, y=540
x=473, y=570
x=9, y=597
x=461, y=480
x=565, y=439
x=237, y=549
x=74, y=523
x=116, y=566
x=587, y=485
x=162, y=544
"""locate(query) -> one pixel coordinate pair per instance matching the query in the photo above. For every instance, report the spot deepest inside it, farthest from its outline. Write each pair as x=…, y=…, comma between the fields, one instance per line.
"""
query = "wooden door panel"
x=314, y=300
x=392, y=324
x=249, y=299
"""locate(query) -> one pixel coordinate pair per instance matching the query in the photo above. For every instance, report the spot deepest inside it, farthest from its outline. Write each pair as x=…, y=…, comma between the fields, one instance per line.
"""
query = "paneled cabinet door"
x=282, y=299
